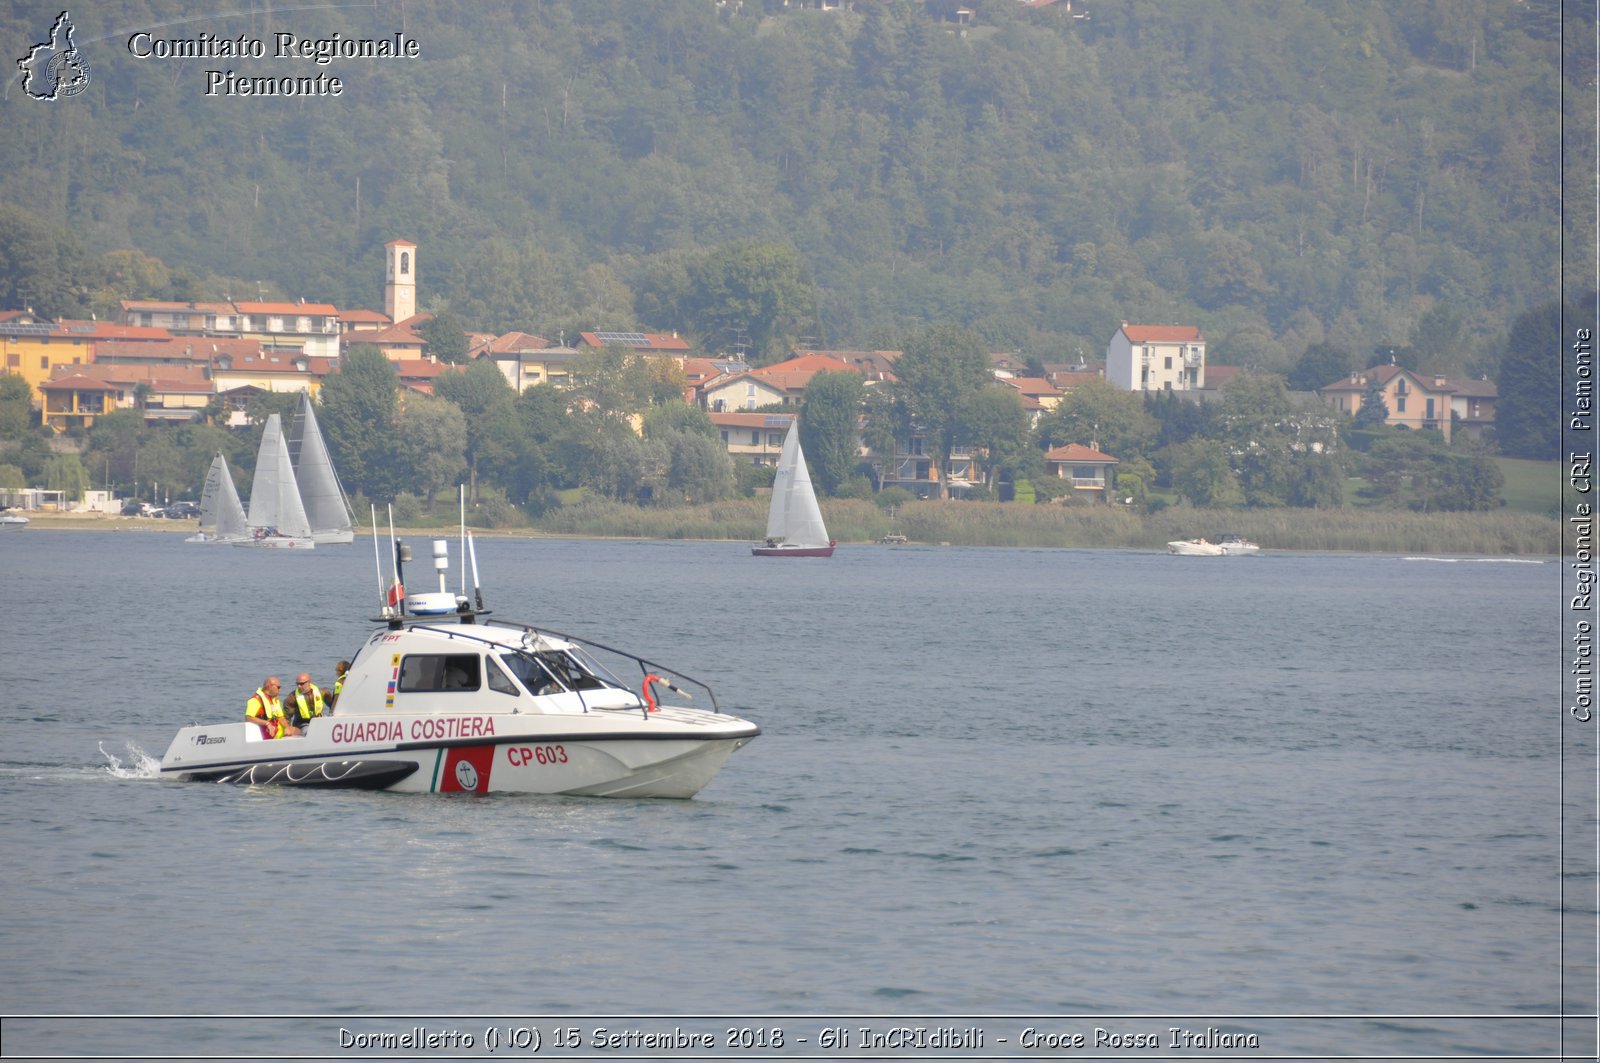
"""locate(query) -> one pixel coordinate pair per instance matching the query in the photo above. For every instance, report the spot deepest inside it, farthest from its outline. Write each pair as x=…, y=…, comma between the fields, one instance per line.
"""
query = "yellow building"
x=33, y=350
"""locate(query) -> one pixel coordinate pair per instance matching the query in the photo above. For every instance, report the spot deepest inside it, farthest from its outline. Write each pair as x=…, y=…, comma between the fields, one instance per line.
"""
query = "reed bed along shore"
x=1500, y=533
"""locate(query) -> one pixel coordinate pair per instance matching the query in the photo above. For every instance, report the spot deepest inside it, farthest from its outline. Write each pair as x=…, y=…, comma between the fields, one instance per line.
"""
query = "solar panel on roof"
x=777, y=420
x=626, y=339
x=29, y=330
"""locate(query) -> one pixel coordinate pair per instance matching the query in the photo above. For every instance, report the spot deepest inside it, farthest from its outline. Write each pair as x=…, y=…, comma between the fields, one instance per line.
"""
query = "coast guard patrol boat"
x=440, y=699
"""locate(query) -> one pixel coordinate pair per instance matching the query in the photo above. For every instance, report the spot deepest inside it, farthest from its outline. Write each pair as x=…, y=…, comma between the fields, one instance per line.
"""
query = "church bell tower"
x=400, y=280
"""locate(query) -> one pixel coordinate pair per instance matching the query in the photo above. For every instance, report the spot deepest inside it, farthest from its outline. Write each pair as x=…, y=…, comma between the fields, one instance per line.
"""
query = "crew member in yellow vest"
x=339, y=672
x=306, y=703
x=265, y=705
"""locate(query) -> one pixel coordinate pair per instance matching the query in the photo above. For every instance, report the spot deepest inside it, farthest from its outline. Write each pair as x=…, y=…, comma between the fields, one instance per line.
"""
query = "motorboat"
x=1195, y=548
x=12, y=522
x=1236, y=545
x=442, y=698
x=794, y=520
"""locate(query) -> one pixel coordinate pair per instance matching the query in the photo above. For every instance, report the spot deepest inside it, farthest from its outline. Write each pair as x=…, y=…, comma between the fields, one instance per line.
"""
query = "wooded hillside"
x=1279, y=172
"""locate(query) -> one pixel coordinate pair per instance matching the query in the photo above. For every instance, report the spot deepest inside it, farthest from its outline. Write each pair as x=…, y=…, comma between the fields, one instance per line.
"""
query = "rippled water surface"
x=991, y=782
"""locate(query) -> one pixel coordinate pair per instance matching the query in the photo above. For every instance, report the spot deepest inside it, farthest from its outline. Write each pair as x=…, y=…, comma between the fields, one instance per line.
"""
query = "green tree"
x=42, y=267
x=1200, y=472
x=941, y=371
x=16, y=406
x=1416, y=470
x=66, y=474
x=1101, y=414
x=1321, y=364
x=358, y=418
x=1528, y=418
x=998, y=431
x=698, y=467
x=753, y=292
x=679, y=416
x=615, y=379
x=444, y=337
x=829, y=432
x=487, y=403
x=434, y=432
x=1374, y=411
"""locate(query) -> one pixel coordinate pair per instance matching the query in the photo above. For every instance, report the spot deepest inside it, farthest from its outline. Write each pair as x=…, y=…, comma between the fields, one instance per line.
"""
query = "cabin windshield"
x=552, y=671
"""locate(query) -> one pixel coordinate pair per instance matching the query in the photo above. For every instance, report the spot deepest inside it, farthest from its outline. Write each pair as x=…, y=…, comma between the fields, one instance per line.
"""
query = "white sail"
x=326, y=508
x=230, y=511
x=795, y=519
x=221, y=513
x=275, y=506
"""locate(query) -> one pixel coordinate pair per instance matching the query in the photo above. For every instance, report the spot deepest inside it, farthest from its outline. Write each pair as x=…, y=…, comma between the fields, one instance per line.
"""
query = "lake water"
x=1316, y=799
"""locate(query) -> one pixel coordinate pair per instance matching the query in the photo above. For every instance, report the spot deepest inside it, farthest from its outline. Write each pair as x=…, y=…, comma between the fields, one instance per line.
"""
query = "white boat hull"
x=1193, y=548
x=604, y=753
x=275, y=542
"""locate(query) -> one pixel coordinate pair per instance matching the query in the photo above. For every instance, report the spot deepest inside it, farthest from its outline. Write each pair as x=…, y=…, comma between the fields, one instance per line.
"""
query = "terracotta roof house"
x=698, y=372
x=280, y=373
x=1417, y=400
x=1091, y=472
x=419, y=374
x=305, y=328
x=874, y=366
x=398, y=342
x=180, y=350
x=362, y=321
x=75, y=400
x=1220, y=376
x=643, y=342
x=166, y=393
x=753, y=438
x=1157, y=358
x=1007, y=365
x=1036, y=392
x=1067, y=376
x=34, y=350
x=186, y=319
x=784, y=383
x=527, y=360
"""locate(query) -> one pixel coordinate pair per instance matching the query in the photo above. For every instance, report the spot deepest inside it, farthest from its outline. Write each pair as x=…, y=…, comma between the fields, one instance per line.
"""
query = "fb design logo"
x=55, y=68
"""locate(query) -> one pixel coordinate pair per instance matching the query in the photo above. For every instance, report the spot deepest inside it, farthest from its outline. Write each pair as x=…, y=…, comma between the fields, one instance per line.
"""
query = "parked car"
x=183, y=510
x=134, y=509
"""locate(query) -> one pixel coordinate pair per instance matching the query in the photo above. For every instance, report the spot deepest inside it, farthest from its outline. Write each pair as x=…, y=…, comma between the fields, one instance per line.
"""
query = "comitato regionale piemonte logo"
x=55, y=68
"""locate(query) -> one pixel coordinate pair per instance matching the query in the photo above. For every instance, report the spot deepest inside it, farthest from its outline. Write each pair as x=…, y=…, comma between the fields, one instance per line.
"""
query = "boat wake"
x=1479, y=560
x=140, y=765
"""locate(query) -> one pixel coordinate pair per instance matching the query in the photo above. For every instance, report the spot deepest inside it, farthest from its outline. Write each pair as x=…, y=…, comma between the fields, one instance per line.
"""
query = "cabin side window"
x=499, y=682
x=422, y=673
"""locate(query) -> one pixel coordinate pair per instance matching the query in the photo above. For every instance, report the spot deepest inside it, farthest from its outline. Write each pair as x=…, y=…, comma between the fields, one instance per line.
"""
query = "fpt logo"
x=54, y=68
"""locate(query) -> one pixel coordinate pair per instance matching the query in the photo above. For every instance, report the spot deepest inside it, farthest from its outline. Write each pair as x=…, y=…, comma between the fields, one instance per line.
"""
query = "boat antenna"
x=477, y=590
x=401, y=553
x=377, y=561
x=461, y=495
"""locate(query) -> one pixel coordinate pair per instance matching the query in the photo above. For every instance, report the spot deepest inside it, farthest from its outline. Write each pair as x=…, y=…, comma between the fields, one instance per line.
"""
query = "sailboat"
x=277, y=516
x=794, y=523
x=327, y=510
x=222, y=517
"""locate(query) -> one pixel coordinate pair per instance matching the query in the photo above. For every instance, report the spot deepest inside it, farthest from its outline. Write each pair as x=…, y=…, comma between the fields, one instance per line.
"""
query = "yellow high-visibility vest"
x=305, y=711
x=270, y=708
